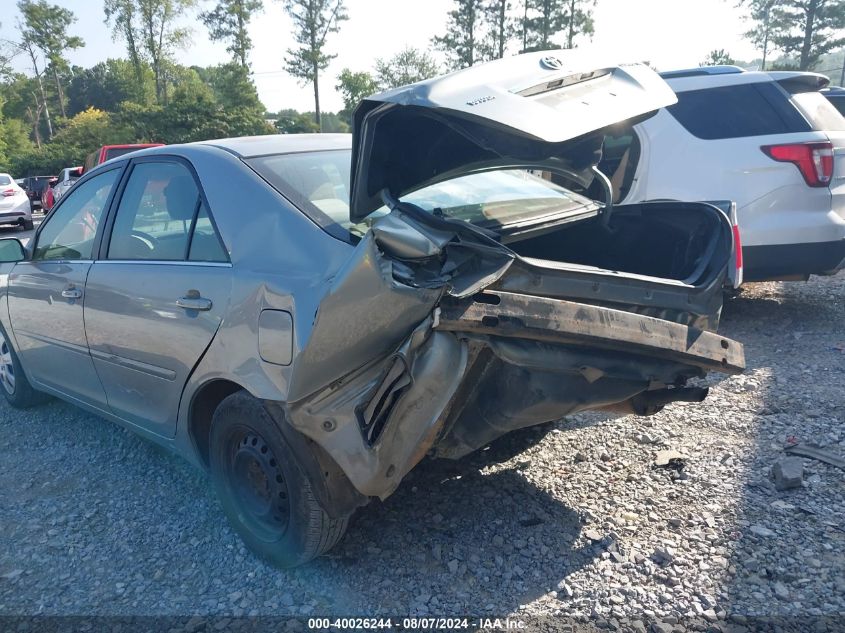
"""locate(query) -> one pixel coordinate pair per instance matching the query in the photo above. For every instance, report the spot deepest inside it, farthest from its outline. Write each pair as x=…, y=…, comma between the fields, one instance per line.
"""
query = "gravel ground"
x=570, y=519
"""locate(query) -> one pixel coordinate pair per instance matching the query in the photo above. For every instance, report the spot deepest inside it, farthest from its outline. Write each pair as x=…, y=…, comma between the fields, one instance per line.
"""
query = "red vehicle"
x=107, y=152
x=47, y=196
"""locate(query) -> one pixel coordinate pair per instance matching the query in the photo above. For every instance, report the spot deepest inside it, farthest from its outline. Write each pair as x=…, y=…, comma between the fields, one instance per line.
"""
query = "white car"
x=769, y=141
x=14, y=203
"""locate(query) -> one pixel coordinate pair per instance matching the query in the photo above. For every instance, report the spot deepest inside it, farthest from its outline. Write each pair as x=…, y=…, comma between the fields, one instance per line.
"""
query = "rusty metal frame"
x=566, y=322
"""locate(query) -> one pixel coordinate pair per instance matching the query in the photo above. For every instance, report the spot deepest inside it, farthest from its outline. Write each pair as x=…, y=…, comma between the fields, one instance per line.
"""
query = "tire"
x=13, y=382
x=264, y=488
x=28, y=225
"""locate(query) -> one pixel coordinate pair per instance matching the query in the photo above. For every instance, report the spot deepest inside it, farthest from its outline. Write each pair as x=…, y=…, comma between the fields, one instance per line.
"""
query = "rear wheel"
x=13, y=382
x=28, y=225
x=264, y=488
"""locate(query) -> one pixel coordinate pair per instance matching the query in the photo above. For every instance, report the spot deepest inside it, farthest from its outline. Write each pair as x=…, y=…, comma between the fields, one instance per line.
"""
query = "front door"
x=47, y=294
x=156, y=298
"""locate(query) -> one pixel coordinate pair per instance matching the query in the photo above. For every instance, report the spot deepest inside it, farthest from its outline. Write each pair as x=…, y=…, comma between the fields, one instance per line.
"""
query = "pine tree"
x=313, y=21
x=228, y=21
x=462, y=39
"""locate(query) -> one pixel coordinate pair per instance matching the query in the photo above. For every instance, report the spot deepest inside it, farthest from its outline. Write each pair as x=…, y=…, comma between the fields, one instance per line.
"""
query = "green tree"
x=47, y=25
x=406, y=67
x=193, y=113
x=149, y=28
x=579, y=20
x=228, y=22
x=122, y=16
x=808, y=29
x=20, y=95
x=293, y=122
x=49, y=159
x=718, y=57
x=760, y=15
x=29, y=45
x=14, y=137
x=87, y=130
x=353, y=87
x=544, y=20
x=231, y=86
x=107, y=84
x=462, y=39
x=313, y=21
x=499, y=28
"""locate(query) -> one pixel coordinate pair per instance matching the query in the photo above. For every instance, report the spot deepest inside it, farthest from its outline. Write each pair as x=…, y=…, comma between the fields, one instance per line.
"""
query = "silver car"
x=307, y=317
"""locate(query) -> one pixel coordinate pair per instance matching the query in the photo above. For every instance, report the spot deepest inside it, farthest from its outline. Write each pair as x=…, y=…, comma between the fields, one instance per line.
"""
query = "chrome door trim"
x=164, y=262
x=79, y=349
x=146, y=368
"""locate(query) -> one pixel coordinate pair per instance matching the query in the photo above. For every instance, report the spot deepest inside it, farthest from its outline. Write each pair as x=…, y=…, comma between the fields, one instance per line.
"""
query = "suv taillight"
x=9, y=192
x=814, y=160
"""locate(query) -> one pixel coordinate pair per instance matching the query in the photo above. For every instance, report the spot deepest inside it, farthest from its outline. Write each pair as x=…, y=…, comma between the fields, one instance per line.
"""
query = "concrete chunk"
x=788, y=473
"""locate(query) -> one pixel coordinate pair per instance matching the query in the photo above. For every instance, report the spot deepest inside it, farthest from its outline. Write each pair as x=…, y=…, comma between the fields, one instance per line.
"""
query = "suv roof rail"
x=701, y=71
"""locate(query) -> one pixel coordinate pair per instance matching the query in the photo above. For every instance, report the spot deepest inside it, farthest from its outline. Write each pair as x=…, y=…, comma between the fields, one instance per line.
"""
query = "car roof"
x=251, y=146
x=834, y=91
x=717, y=76
x=125, y=145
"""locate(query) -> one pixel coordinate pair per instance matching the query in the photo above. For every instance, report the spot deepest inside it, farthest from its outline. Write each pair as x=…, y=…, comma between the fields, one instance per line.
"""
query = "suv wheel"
x=263, y=486
x=13, y=382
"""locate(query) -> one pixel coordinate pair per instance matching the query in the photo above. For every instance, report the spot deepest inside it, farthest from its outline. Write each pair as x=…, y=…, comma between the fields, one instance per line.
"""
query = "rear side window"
x=5, y=180
x=819, y=111
x=838, y=102
x=160, y=211
x=737, y=111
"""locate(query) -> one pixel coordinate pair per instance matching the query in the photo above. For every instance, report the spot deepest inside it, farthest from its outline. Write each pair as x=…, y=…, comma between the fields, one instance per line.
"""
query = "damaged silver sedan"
x=307, y=317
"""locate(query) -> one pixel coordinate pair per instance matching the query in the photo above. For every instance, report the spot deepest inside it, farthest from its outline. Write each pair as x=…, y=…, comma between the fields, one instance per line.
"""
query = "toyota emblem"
x=551, y=63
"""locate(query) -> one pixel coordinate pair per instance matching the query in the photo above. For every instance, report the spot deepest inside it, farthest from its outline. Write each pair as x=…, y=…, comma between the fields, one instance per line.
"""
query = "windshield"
x=318, y=183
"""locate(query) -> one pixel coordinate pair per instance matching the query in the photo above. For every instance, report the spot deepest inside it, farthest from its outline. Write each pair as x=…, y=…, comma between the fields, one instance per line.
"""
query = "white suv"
x=769, y=141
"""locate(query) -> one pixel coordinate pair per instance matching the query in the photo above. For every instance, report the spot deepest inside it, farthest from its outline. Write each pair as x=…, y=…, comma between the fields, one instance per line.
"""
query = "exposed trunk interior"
x=686, y=242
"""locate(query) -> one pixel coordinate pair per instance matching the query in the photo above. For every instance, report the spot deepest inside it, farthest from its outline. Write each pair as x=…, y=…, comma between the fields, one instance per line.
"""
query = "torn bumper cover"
x=411, y=353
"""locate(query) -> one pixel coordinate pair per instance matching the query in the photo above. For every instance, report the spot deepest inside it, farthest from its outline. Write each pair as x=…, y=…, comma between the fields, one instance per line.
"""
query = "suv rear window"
x=737, y=111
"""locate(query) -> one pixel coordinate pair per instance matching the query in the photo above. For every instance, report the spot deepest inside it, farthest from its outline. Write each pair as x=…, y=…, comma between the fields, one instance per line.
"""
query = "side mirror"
x=11, y=250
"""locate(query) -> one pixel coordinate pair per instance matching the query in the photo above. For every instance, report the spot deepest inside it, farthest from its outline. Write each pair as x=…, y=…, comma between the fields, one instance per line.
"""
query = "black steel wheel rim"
x=258, y=485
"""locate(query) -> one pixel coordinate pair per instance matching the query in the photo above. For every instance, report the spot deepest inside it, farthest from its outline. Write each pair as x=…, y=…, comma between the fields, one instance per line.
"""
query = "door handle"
x=72, y=293
x=193, y=301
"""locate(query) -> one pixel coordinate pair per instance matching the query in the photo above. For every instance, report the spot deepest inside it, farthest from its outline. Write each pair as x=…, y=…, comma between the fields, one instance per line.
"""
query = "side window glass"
x=153, y=220
x=69, y=232
x=737, y=111
x=205, y=243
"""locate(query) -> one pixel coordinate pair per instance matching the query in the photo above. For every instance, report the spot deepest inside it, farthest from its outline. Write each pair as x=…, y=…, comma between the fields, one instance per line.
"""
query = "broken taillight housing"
x=814, y=160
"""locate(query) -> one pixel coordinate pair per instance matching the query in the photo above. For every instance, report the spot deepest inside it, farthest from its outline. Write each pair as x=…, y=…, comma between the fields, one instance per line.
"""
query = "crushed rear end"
x=439, y=335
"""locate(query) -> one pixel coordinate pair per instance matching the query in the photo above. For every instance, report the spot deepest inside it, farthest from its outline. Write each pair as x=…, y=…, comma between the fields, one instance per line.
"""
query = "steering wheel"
x=146, y=239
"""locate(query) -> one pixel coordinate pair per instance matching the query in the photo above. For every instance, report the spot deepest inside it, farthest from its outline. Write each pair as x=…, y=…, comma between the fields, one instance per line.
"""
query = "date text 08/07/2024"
x=417, y=624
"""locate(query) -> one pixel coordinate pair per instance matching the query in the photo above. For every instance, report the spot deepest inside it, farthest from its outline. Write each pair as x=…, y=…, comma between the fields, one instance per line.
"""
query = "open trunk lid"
x=539, y=110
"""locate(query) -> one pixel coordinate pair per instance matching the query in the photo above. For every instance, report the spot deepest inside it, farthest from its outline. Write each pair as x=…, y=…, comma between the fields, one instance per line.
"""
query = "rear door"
x=157, y=294
x=47, y=293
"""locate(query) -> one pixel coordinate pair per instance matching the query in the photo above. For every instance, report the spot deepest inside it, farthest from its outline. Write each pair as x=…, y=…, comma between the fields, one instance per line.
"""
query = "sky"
x=668, y=33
